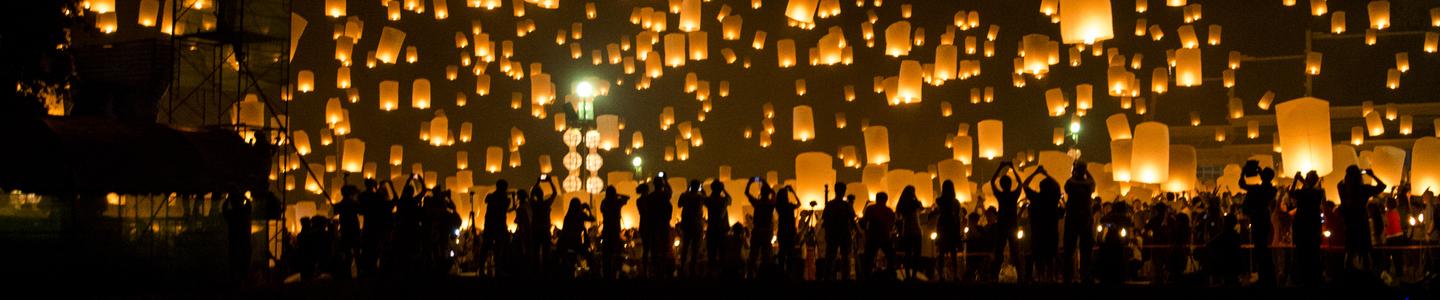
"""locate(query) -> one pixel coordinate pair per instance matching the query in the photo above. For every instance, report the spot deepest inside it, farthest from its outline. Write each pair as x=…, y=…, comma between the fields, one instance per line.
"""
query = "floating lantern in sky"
x=397, y=155
x=897, y=39
x=1120, y=155
x=1312, y=63
x=391, y=40
x=1379, y=14
x=1425, y=168
x=909, y=82
x=1304, y=136
x=420, y=93
x=802, y=11
x=1182, y=169
x=877, y=145
x=813, y=172
x=1150, y=153
x=991, y=139
x=1085, y=21
x=1187, y=67
x=494, y=157
x=804, y=123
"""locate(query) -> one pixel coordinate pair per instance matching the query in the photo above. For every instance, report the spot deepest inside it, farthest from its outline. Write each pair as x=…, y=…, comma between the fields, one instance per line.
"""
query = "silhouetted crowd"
x=1038, y=230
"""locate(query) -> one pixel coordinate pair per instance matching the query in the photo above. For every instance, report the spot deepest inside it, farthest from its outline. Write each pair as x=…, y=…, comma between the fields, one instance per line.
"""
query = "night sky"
x=1352, y=73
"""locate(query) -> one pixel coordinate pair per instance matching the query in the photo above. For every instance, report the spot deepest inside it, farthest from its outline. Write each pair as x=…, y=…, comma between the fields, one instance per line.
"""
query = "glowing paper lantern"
x=1304, y=136
x=690, y=15
x=494, y=157
x=1379, y=14
x=1373, y=124
x=813, y=172
x=674, y=50
x=391, y=40
x=1187, y=67
x=963, y=149
x=877, y=145
x=1150, y=153
x=397, y=155
x=785, y=52
x=609, y=127
x=1055, y=102
x=1425, y=166
x=1182, y=169
x=1120, y=155
x=897, y=39
x=909, y=82
x=804, y=123
x=1119, y=126
x=1085, y=21
x=1388, y=163
x=802, y=11
x=354, y=159
x=991, y=138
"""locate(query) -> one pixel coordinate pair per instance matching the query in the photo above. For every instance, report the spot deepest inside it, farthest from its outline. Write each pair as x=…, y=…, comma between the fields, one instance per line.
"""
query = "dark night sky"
x=1352, y=73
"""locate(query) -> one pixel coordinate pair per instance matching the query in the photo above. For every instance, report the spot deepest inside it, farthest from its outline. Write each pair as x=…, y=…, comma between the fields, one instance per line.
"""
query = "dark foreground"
x=472, y=288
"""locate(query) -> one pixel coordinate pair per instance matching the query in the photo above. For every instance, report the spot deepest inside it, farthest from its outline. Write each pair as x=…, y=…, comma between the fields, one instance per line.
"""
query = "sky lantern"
x=1312, y=63
x=813, y=172
x=963, y=149
x=1119, y=126
x=897, y=39
x=1212, y=35
x=877, y=145
x=1425, y=168
x=1237, y=108
x=1265, y=100
x=1084, y=96
x=991, y=138
x=1187, y=67
x=391, y=40
x=674, y=50
x=1388, y=163
x=1379, y=14
x=802, y=11
x=1035, y=60
x=1304, y=136
x=804, y=123
x=1392, y=78
x=420, y=93
x=785, y=53
x=699, y=45
x=1150, y=153
x=1085, y=21
x=1187, y=37
x=909, y=82
x=609, y=127
x=439, y=129
x=1373, y=124
x=730, y=27
x=494, y=158
x=1402, y=61
x=397, y=154
x=1407, y=124
x=389, y=95
x=1120, y=155
x=690, y=15
x=1357, y=135
x=1182, y=169
x=305, y=81
x=462, y=159
x=1055, y=102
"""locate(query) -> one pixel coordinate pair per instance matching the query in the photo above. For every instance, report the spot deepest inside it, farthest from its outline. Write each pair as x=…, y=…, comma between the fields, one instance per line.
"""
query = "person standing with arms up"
x=692, y=226
x=610, y=243
x=1007, y=198
x=1354, y=198
x=717, y=225
x=1044, y=221
x=762, y=227
x=786, y=202
x=839, y=219
x=1078, y=222
x=1259, y=198
x=1308, y=195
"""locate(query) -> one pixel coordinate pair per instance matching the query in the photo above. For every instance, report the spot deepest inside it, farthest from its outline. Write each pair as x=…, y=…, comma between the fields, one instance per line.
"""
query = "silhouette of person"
x=1306, y=234
x=540, y=227
x=907, y=211
x=1225, y=251
x=1117, y=223
x=692, y=226
x=1007, y=198
x=1354, y=196
x=655, y=227
x=377, y=211
x=348, y=212
x=1078, y=222
x=495, y=234
x=717, y=225
x=610, y=242
x=879, y=224
x=838, y=219
x=237, y=225
x=786, y=202
x=572, y=235
x=1044, y=222
x=762, y=227
x=1259, y=198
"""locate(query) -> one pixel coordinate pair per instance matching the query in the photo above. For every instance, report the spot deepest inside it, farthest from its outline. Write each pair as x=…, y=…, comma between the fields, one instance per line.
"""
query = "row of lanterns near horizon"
x=1143, y=157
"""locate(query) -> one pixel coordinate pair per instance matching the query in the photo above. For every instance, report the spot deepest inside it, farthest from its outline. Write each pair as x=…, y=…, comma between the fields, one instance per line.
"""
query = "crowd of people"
x=1038, y=230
